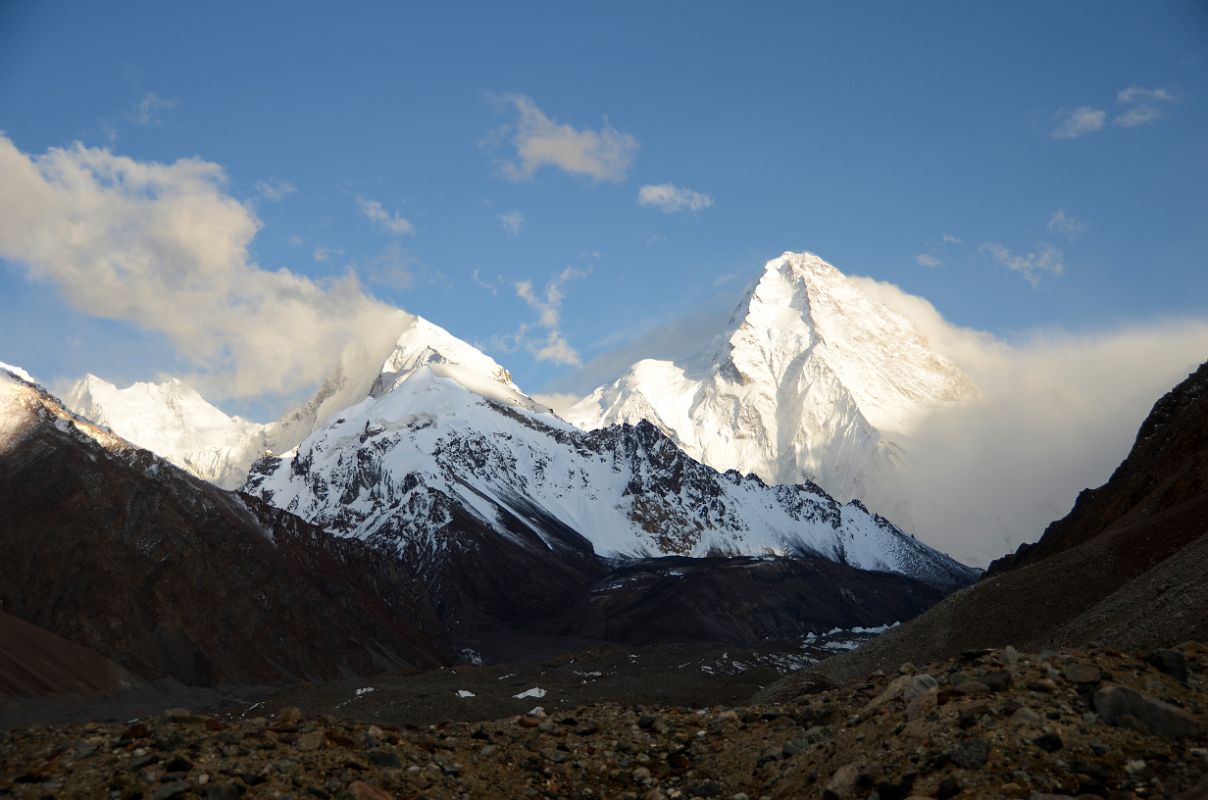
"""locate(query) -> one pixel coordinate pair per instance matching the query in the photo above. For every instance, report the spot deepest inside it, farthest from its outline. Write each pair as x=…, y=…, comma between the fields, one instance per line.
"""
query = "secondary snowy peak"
x=175, y=422
x=405, y=470
x=812, y=379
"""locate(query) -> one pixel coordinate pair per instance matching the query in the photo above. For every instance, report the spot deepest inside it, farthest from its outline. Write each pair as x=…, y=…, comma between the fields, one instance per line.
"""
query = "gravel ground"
x=1089, y=723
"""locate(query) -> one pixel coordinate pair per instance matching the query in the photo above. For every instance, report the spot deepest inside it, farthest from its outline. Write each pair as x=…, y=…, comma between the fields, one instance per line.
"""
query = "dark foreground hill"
x=1124, y=568
x=119, y=552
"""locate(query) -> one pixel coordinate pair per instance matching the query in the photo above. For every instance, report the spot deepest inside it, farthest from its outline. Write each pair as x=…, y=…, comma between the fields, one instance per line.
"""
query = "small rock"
x=641, y=776
x=906, y=668
x=588, y=728
x=171, y=790
x=223, y=791
x=178, y=715
x=1159, y=718
x=647, y=722
x=1010, y=655
x=707, y=789
x=970, y=754
x=554, y=754
x=310, y=741
x=919, y=684
x=387, y=759
x=1135, y=767
x=948, y=788
x=1169, y=662
x=290, y=715
x=998, y=680
x=1046, y=685
x=843, y=782
x=1082, y=674
x=1049, y=742
x=1026, y=716
x=973, y=687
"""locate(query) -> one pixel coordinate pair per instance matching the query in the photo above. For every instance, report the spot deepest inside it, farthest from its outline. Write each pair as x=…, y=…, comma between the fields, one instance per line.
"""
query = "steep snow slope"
x=172, y=420
x=811, y=380
x=397, y=468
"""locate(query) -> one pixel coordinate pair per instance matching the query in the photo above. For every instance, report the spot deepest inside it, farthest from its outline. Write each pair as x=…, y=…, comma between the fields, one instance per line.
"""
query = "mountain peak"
x=812, y=379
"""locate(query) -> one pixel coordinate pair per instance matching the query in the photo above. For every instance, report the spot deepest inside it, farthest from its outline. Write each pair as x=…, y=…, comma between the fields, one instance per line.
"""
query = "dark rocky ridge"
x=1166, y=468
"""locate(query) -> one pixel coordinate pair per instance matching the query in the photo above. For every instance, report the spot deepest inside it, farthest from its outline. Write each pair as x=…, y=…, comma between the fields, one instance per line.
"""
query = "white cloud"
x=147, y=111
x=669, y=198
x=490, y=286
x=1144, y=106
x=950, y=239
x=1071, y=123
x=927, y=260
x=1135, y=94
x=275, y=189
x=166, y=247
x=603, y=155
x=1066, y=224
x=1031, y=265
x=511, y=222
x=294, y=240
x=551, y=345
x=387, y=220
x=1057, y=412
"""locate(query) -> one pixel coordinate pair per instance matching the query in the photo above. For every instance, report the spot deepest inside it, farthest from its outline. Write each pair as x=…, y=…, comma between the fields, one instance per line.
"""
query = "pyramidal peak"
x=812, y=379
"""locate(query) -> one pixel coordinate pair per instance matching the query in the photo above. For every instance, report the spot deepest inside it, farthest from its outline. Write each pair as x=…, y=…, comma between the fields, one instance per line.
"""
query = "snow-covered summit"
x=812, y=379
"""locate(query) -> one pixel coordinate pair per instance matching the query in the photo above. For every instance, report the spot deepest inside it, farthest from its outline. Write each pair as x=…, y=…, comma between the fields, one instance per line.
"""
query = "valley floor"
x=996, y=723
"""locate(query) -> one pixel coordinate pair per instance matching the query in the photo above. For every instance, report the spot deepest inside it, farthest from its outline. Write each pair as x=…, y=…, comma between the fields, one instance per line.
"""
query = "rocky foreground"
x=996, y=723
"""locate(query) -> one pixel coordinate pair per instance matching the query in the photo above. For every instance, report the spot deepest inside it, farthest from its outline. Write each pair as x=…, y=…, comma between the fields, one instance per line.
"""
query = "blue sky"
x=1031, y=166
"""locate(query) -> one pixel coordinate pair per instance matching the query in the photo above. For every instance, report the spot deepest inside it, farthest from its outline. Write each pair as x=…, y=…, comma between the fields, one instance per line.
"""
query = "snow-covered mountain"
x=174, y=421
x=811, y=380
x=441, y=442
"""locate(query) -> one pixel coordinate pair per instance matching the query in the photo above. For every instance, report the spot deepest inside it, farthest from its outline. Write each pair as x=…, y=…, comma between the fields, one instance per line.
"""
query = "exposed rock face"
x=36, y=662
x=115, y=549
x=1125, y=567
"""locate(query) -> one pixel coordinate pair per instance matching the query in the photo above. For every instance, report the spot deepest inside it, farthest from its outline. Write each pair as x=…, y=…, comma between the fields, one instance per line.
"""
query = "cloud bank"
x=1058, y=412
x=166, y=247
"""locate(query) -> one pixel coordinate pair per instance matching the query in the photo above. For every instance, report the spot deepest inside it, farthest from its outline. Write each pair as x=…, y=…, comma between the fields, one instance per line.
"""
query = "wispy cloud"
x=322, y=253
x=1073, y=123
x=1144, y=106
x=1066, y=224
x=927, y=260
x=490, y=286
x=670, y=199
x=149, y=109
x=605, y=154
x=950, y=239
x=1135, y=94
x=511, y=222
x=275, y=189
x=387, y=220
x=1033, y=266
x=549, y=344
